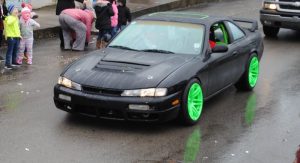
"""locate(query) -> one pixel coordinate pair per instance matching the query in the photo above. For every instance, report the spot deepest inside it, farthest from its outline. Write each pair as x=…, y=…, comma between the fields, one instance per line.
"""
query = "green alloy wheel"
x=195, y=101
x=192, y=103
x=253, y=72
x=249, y=79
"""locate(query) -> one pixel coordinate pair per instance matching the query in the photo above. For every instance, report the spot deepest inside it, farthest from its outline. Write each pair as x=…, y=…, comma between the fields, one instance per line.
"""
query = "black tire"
x=243, y=84
x=184, y=116
x=270, y=31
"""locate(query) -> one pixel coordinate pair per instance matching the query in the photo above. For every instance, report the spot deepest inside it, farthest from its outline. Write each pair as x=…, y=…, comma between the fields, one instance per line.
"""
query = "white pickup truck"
x=277, y=14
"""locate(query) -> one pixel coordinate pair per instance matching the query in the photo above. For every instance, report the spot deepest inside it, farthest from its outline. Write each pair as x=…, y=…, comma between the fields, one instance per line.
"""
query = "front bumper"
x=116, y=107
x=280, y=19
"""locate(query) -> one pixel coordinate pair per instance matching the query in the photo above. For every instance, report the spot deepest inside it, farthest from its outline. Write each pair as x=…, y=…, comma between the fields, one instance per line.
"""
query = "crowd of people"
x=17, y=29
x=76, y=19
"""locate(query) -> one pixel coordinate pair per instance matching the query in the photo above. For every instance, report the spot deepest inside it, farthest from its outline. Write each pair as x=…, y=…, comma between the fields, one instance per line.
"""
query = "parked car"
x=162, y=66
x=277, y=14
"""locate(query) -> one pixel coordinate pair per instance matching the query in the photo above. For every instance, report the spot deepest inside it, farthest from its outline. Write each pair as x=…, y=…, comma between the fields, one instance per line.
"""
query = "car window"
x=178, y=38
x=237, y=33
x=219, y=34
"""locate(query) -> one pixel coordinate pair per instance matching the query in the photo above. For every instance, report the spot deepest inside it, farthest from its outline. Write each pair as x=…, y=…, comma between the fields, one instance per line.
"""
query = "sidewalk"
x=50, y=25
x=49, y=21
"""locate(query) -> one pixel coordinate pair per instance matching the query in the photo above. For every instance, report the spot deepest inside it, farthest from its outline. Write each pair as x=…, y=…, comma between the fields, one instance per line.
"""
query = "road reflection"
x=250, y=109
x=192, y=146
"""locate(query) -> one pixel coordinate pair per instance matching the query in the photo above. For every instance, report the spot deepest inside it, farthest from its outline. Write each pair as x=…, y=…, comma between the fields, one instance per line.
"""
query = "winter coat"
x=114, y=19
x=11, y=27
x=26, y=27
x=124, y=15
x=3, y=15
x=65, y=4
x=104, y=12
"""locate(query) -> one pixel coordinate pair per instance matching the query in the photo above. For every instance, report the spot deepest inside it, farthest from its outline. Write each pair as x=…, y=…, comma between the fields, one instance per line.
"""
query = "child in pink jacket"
x=114, y=19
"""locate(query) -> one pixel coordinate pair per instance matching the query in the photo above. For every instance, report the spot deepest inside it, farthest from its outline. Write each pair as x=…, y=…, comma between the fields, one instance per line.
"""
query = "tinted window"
x=179, y=38
x=237, y=33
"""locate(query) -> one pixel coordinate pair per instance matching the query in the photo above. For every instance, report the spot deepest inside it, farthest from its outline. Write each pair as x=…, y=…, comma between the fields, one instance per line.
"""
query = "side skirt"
x=221, y=90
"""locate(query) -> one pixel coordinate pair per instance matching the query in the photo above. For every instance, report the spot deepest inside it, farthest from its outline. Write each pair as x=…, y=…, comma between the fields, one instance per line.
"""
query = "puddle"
x=15, y=74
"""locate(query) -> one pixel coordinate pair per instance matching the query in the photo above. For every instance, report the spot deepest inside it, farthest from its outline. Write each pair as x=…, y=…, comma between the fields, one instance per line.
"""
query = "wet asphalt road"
x=258, y=127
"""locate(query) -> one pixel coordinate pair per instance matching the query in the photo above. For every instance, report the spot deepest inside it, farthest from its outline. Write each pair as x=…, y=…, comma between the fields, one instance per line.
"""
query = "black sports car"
x=162, y=66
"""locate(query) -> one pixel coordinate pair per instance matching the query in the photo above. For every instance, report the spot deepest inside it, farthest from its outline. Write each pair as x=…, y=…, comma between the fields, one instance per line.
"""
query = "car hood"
x=124, y=69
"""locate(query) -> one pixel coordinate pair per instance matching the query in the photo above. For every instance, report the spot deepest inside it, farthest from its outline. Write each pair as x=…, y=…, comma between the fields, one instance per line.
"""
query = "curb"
x=171, y=6
x=46, y=33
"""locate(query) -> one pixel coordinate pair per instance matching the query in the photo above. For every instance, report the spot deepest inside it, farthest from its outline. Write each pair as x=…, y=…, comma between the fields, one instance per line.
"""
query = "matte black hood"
x=123, y=69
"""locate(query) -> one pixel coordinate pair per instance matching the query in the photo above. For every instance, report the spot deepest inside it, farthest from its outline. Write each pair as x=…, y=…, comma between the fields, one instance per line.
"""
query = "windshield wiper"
x=158, y=51
x=122, y=47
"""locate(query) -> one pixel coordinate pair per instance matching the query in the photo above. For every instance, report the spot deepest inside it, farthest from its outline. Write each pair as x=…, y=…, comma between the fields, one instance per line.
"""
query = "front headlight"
x=151, y=92
x=68, y=83
x=270, y=6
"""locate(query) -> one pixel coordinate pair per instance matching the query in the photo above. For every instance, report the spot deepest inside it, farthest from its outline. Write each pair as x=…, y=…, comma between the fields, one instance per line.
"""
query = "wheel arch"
x=201, y=83
x=253, y=51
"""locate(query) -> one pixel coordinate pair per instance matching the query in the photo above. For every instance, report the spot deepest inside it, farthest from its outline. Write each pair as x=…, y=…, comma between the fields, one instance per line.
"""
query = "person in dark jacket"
x=62, y=5
x=124, y=14
x=65, y=4
x=104, y=12
x=3, y=14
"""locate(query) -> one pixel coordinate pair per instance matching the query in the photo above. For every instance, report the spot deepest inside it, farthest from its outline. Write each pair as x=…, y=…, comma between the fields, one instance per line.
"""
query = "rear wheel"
x=270, y=31
x=249, y=79
x=192, y=103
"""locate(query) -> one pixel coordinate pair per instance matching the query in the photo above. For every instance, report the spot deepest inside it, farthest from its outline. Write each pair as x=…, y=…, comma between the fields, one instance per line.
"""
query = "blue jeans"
x=114, y=31
x=104, y=35
x=12, y=50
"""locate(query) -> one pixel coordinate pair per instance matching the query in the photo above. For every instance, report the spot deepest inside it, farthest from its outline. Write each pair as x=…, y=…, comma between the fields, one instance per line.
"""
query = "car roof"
x=184, y=17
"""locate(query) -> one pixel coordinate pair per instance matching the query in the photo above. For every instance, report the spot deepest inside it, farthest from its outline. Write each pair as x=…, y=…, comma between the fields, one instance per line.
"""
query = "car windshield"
x=161, y=37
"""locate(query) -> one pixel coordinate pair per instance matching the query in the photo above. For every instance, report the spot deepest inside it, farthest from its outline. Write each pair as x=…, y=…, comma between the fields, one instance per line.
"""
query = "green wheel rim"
x=253, y=72
x=195, y=101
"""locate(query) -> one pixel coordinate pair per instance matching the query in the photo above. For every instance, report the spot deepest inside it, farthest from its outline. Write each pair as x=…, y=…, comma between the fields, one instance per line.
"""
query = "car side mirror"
x=220, y=49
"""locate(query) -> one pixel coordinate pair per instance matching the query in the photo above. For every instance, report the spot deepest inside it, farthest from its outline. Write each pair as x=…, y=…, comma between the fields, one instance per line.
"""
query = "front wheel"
x=192, y=103
x=250, y=77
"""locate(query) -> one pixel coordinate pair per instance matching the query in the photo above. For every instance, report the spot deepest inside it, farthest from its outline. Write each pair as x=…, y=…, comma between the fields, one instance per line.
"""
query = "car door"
x=220, y=65
x=242, y=48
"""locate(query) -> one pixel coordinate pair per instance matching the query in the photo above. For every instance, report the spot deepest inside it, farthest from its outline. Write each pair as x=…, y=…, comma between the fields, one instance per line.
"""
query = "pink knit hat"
x=25, y=9
x=27, y=5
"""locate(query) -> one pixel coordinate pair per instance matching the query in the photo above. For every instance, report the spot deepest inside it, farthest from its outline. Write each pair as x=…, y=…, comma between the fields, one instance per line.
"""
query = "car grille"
x=120, y=114
x=100, y=91
x=291, y=7
x=100, y=112
x=109, y=66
